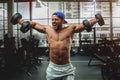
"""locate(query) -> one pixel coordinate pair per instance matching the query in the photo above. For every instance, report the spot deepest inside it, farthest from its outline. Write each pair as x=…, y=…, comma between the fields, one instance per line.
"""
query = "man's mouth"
x=54, y=24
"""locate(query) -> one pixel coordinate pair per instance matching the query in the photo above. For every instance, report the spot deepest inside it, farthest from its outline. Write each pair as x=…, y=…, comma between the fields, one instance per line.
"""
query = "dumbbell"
x=17, y=18
x=88, y=26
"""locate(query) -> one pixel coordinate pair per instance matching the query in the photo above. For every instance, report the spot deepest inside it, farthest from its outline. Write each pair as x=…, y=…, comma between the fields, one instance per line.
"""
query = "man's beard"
x=57, y=27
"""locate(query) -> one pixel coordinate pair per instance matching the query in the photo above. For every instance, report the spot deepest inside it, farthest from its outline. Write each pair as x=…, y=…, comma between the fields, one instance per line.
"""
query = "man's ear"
x=64, y=22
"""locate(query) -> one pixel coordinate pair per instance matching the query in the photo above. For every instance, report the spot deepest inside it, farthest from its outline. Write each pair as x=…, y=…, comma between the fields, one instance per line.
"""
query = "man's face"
x=56, y=22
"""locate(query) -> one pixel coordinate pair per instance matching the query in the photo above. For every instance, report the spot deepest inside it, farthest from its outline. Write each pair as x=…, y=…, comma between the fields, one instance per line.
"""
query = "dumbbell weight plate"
x=100, y=19
x=15, y=18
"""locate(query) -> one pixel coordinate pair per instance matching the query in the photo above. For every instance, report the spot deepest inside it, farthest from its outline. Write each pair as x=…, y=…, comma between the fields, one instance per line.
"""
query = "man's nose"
x=53, y=21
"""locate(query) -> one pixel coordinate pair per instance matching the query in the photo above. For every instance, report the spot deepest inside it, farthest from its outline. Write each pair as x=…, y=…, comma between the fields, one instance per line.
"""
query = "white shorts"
x=56, y=72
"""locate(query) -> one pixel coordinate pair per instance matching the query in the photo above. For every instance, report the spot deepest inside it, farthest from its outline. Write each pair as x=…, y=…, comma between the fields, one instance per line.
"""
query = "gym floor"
x=83, y=71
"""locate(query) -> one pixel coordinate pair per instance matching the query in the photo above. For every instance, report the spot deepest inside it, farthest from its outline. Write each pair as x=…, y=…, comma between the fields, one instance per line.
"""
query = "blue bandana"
x=60, y=15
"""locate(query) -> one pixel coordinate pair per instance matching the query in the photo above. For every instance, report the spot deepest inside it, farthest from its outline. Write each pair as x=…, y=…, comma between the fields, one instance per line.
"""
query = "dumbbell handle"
x=20, y=21
x=93, y=21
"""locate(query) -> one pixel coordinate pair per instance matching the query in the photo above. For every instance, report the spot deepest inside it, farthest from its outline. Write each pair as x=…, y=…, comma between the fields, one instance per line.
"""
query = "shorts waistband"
x=60, y=65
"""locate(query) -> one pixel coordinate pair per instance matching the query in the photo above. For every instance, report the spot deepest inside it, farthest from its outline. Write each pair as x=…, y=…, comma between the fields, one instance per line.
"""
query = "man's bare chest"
x=60, y=36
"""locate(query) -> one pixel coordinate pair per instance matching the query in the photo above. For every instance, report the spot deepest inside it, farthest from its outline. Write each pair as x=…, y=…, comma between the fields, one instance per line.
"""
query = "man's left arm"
x=87, y=25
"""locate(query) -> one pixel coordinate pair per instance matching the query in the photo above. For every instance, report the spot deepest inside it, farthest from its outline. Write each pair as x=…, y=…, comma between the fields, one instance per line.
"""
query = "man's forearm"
x=38, y=27
x=33, y=24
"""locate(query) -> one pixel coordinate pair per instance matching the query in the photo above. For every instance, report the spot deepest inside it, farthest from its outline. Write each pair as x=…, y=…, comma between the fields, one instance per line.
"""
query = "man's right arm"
x=38, y=27
x=26, y=25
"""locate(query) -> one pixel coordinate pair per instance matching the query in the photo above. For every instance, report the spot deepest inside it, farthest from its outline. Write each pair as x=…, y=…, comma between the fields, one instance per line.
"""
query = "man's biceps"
x=38, y=26
x=76, y=27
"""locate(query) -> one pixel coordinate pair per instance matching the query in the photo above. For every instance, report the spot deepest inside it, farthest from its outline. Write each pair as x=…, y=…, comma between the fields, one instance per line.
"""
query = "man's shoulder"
x=48, y=28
